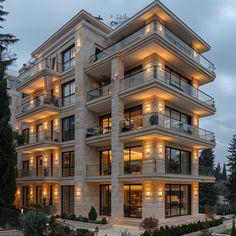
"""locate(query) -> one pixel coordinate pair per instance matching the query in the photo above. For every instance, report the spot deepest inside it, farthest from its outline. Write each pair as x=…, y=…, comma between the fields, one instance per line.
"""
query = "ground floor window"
x=67, y=199
x=177, y=200
x=133, y=201
x=39, y=195
x=25, y=196
x=105, y=200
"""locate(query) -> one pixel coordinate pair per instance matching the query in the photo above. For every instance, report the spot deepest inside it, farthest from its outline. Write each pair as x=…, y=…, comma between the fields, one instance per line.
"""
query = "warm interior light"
x=160, y=150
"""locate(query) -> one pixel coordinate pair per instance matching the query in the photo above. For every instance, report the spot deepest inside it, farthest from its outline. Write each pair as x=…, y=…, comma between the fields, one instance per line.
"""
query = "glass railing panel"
x=99, y=92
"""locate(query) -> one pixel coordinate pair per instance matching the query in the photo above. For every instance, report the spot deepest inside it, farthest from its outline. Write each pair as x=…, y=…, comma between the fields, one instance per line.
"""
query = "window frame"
x=71, y=95
x=71, y=130
x=71, y=166
x=71, y=60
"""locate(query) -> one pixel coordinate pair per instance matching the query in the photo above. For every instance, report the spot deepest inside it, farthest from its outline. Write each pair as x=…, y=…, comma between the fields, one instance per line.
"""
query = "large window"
x=178, y=81
x=133, y=201
x=105, y=200
x=177, y=200
x=67, y=199
x=177, y=121
x=105, y=162
x=68, y=93
x=178, y=161
x=133, y=118
x=68, y=128
x=105, y=123
x=133, y=160
x=68, y=58
x=25, y=196
x=68, y=163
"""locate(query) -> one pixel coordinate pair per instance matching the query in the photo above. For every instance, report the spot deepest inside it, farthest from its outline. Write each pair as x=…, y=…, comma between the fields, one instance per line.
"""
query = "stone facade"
x=120, y=99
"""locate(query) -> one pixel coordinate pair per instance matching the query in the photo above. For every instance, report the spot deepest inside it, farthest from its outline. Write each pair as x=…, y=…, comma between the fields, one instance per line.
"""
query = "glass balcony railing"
x=152, y=167
x=99, y=92
x=159, y=120
x=34, y=67
x=39, y=137
x=156, y=27
x=95, y=131
x=38, y=172
x=177, y=83
x=37, y=102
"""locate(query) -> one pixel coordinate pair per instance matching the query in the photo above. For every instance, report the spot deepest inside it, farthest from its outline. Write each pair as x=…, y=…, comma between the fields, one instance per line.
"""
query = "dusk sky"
x=33, y=21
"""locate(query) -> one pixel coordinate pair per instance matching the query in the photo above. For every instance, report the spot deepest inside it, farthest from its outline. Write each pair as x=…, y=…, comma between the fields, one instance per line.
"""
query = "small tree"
x=92, y=215
x=218, y=173
x=149, y=225
x=233, y=232
x=34, y=223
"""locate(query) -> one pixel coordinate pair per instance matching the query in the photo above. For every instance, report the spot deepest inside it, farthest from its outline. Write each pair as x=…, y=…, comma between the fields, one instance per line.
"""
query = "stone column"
x=117, y=195
x=195, y=195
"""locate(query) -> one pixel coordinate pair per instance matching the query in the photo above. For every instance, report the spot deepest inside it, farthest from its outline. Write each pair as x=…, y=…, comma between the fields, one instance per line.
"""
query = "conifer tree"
x=207, y=191
x=224, y=173
x=218, y=174
x=231, y=182
x=7, y=149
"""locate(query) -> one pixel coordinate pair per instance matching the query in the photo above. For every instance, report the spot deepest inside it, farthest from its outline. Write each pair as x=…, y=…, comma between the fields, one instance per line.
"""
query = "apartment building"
x=14, y=96
x=110, y=118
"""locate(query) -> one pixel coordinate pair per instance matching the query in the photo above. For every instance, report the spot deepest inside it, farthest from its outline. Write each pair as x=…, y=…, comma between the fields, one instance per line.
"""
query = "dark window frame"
x=71, y=60
x=68, y=135
x=189, y=198
x=70, y=168
x=71, y=95
x=129, y=215
x=180, y=160
x=109, y=199
x=181, y=114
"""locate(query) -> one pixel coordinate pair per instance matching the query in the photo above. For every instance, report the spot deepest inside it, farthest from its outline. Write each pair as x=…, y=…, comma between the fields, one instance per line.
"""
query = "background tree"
x=118, y=20
x=7, y=149
x=207, y=191
x=218, y=173
x=231, y=183
x=224, y=173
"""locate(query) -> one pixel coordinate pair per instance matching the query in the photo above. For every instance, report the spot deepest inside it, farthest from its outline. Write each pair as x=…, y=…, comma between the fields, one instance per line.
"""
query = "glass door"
x=39, y=166
x=105, y=162
x=25, y=196
x=133, y=201
x=105, y=200
x=39, y=195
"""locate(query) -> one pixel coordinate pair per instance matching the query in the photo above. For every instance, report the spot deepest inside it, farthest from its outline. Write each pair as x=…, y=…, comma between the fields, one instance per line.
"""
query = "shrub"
x=124, y=233
x=92, y=215
x=72, y=217
x=64, y=216
x=57, y=216
x=104, y=221
x=84, y=232
x=67, y=229
x=85, y=219
x=33, y=223
x=149, y=225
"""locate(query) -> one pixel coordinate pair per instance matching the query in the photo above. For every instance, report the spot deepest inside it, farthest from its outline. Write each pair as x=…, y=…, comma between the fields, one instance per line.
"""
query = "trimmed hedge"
x=185, y=229
x=80, y=218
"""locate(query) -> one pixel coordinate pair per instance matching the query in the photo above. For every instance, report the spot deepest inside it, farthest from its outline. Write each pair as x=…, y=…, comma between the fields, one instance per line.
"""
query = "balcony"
x=96, y=173
x=37, y=174
x=38, y=108
x=165, y=128
x=33, y=75
x=37, y=141
x=149, y=169
x=99, y=99
x=173, y=41
x=98, y=135
x=157, y=80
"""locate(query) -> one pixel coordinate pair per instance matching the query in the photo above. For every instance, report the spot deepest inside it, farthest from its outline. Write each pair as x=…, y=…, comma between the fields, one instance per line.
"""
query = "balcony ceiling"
x=32, y=116
x=33, y=84
x=170, y=20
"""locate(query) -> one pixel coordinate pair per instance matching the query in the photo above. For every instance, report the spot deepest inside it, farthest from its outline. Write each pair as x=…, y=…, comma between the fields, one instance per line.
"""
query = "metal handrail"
x=164, y=76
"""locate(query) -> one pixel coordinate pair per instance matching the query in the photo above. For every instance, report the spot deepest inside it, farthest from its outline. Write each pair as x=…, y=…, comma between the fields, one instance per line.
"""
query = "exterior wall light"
x=160, y=150
x=78, y=194
x=160, y=194
x=148, y=195
x=195, y=193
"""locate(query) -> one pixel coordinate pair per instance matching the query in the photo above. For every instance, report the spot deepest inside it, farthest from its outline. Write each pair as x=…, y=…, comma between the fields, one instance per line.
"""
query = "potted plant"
x=154, y=120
